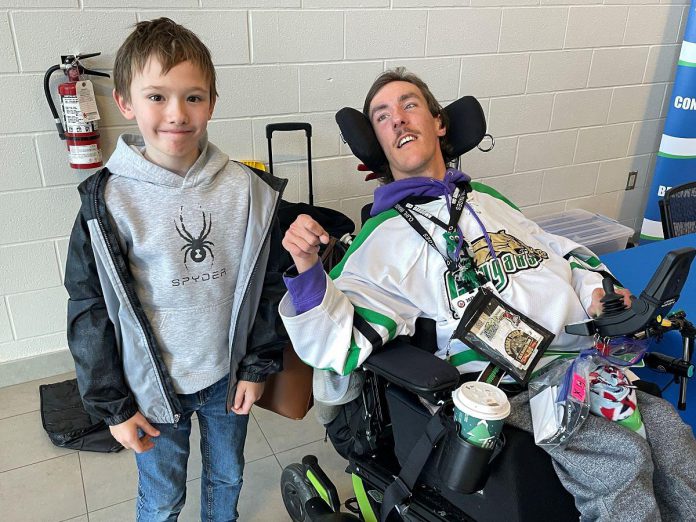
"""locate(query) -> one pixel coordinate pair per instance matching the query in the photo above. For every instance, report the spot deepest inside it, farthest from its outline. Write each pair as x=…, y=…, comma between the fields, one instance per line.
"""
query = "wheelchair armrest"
x=413, y=369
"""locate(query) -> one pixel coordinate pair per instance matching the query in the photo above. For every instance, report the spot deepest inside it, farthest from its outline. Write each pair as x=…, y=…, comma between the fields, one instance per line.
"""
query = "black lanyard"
x=458, y=202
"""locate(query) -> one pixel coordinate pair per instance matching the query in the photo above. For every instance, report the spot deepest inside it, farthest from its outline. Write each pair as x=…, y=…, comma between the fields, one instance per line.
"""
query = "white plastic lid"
x=481, y=400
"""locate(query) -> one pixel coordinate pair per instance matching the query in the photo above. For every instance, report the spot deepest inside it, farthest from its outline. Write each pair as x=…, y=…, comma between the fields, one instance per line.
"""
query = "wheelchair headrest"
x=467, y=127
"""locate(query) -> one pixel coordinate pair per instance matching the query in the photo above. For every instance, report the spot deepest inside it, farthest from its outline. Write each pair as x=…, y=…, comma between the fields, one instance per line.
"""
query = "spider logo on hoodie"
x=196, y=248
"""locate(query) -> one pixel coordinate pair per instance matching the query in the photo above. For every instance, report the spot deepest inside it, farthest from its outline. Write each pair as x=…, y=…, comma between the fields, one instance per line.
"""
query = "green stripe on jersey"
x=367, y=229
x=480, y=187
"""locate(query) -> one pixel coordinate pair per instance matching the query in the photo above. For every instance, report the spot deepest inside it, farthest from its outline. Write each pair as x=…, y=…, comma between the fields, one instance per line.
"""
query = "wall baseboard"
x=37, y=367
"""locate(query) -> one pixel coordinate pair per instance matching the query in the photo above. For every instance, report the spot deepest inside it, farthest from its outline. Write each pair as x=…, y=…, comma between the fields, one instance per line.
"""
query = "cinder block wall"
x=574, y=91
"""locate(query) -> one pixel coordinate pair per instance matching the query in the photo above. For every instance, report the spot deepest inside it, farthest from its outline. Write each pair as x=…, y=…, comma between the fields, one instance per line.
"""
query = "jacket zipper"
x=129, y=295
x=251, y=278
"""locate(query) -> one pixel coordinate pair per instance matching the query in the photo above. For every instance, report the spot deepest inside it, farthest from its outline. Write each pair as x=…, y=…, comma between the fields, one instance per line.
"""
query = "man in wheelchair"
x=433, y=237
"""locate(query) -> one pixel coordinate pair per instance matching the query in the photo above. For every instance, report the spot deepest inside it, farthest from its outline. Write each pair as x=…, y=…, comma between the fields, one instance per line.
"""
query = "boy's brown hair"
x=167, y=41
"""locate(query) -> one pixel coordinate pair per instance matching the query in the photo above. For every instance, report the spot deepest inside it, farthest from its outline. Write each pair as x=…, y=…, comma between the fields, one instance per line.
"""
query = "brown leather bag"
x=289, y=392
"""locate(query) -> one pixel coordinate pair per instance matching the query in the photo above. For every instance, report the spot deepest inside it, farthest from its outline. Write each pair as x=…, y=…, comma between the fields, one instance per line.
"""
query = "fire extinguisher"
x=81, y=131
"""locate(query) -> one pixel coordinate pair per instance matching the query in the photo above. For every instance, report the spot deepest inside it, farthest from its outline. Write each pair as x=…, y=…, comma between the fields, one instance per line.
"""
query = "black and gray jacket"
x=119, y=361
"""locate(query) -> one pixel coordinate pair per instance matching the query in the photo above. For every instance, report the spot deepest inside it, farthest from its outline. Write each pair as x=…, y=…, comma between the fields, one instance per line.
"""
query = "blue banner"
x=676, y=158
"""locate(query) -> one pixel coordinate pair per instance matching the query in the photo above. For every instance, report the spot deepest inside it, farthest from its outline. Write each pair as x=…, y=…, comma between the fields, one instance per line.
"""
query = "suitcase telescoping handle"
x=287, y=127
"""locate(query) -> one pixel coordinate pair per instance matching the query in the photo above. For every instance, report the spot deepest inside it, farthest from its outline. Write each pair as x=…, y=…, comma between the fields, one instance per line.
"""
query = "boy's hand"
x=595, y=308
x=127, y=433
x=247, y=394
x=302, y=240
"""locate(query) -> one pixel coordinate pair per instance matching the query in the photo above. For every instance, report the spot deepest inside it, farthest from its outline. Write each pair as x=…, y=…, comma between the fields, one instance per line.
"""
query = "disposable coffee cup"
x=480, y=409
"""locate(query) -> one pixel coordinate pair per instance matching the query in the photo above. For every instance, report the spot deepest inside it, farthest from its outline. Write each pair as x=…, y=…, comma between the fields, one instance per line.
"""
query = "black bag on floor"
x=68, y=424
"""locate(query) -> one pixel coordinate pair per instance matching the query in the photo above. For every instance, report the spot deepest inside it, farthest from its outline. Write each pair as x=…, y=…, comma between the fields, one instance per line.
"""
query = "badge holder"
x=509, y=339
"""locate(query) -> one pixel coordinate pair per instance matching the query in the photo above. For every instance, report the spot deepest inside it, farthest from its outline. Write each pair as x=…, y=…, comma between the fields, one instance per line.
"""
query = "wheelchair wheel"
x=296, y=490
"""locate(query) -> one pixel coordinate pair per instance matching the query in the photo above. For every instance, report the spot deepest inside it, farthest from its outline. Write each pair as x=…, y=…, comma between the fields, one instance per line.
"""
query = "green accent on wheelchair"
x=466, y=356
x=317, y=485
x=364, y=502
x=481, y=187
x=367, y=229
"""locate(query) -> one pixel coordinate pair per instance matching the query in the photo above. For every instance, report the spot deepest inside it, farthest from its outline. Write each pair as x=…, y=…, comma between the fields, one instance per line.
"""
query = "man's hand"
x=127, y=433
x=595, y=308
x=247, y=394
x=302, y=240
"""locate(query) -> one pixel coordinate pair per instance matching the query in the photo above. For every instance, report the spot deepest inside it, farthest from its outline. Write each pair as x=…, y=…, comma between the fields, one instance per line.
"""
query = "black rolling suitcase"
x=335, y=223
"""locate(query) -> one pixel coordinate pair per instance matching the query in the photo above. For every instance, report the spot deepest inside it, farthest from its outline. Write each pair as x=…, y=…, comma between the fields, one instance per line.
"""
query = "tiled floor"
x=40, y=482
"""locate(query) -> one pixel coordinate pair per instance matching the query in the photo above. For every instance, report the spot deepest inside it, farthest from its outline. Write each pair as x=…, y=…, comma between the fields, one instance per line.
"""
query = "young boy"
x=173, y=279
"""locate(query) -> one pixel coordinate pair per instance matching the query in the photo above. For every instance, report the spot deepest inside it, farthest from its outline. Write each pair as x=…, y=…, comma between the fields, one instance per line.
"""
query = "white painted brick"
x=494, y=75
x=224, y=32
x=580, y=108
x=24, y=4
x=640, y=102
x=558, y=70
x=621, y=66
x=32, y=347
x=337, y=4
x=338, y=177
x=8, y=61
x=520, y=114
x=463, y=31
x=667, y=100
x=90, y=4
x=629, y=2
x=428, y=3
x=352, y=207
x=26, y=267
x=569, y=182
x=251, y=3
x=662, y=63
x=256, y=91
x=604, y=204
x=99, y=32
x=631, y=204
x=441, y=74
x=26, y=214
x=296, y=36
x=62, y=246
x=296, y=174
x=613, y=174
x=503, y=3
x=331, y=86
x=18, y=166
x=109, y=139
x=541, y=151
x=497, y=162
x=570, y=2
x=533, y=29
x=53, y=303
x=292, y=146
x=380, y=34
x=233, y=137
x=522, y=189
x=5, y=327
x=645, y=138
x=53, y=155
x=25, y=91
x=596, y=26
x=535, y=211
x=598, y=143
x=652, y=24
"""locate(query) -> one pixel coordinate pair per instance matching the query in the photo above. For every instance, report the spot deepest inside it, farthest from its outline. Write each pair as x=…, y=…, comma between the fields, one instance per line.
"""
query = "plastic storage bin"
x=598, y=233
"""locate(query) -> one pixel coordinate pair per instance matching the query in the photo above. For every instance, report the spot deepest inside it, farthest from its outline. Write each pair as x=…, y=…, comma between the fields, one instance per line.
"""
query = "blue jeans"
x=162, y=470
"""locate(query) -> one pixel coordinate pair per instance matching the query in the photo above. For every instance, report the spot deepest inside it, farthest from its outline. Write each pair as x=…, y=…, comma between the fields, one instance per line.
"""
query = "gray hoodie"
x=183, y=238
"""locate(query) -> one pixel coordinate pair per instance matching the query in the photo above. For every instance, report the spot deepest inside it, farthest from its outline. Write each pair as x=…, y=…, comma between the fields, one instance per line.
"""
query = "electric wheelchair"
x=404, y=456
